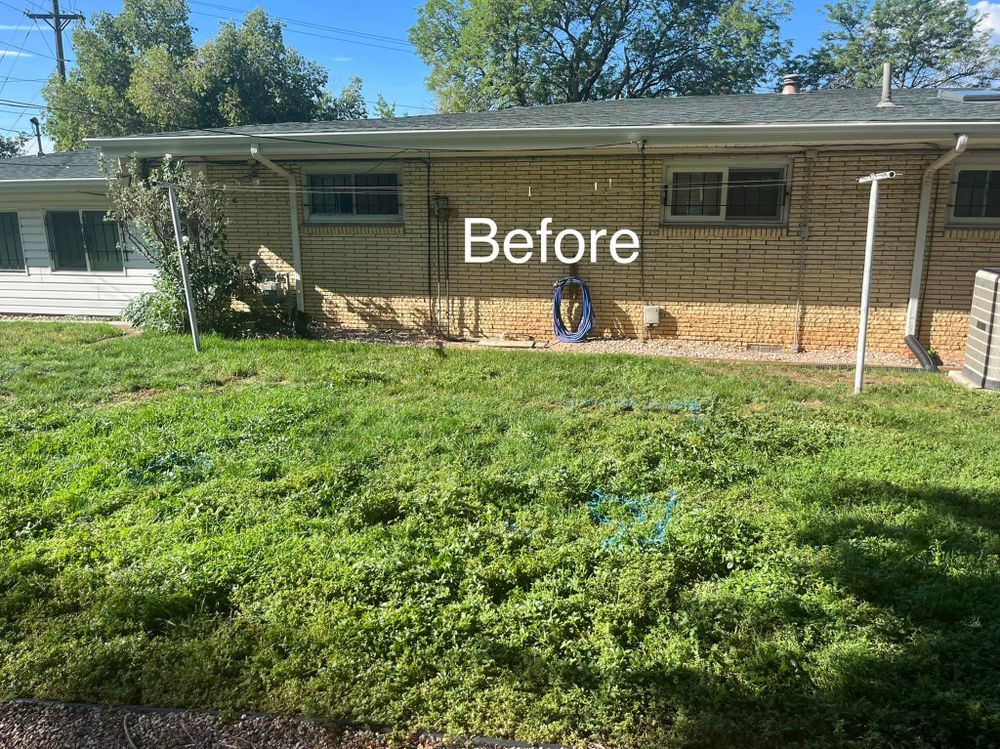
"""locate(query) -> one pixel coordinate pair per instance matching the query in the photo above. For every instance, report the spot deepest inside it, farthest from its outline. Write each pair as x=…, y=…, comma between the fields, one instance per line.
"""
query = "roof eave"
x=55, y=183
x=518, y=139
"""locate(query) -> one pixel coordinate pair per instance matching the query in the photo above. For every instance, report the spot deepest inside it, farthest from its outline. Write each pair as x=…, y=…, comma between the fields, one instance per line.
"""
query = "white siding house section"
x=37, y=289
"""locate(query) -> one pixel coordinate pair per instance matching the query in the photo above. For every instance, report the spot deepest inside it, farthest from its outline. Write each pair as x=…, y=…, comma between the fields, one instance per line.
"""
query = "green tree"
x=139, y=71
x=384, y=109
x=12, y=145
x=930, y=43
x=497, y=53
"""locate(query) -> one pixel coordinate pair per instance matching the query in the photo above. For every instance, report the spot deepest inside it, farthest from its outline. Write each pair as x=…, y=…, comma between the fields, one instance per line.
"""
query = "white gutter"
x=479, y=140
x=920, y=245
x=293, y=212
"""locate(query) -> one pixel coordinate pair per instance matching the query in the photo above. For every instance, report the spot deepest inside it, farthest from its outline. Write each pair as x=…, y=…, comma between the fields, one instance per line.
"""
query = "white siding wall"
x=39, y=290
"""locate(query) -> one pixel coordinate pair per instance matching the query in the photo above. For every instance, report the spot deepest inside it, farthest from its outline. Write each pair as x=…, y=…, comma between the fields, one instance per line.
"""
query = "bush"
x=159, y=310
x=141, y=206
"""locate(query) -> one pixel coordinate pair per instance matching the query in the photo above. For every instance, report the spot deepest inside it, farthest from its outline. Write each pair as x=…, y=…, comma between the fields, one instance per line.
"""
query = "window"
x=977, y=196
x=716, y=194
x=11, y=253
x=83, y=240
x=355, y=196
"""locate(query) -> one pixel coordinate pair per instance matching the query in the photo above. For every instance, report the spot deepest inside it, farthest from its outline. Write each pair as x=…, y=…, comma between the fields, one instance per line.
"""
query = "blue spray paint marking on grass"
x=695, y=408
x=638, y=510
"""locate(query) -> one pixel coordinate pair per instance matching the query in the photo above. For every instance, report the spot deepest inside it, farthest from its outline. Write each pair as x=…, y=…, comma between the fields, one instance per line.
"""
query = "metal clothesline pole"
x=175, y=215
x=866, y=283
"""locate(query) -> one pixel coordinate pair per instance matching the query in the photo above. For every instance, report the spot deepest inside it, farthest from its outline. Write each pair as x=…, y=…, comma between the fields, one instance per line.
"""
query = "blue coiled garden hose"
x=587, y=320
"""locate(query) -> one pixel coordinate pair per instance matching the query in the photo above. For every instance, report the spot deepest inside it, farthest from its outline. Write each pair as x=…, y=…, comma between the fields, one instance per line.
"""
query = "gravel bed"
x=39, y=724
x=729, y=352
x=55, y=318
x=32, y=725
x=674, y=348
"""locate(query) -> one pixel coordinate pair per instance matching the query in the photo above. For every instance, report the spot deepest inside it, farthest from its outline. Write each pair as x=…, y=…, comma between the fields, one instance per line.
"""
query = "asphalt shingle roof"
x=836, y=106
x=66, y=165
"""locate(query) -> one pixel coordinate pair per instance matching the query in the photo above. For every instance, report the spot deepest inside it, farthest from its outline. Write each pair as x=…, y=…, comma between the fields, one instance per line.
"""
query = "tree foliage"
x=139, y=204
x=931, y=43
x=496, y=53
x=12, y=145
x=140, y=71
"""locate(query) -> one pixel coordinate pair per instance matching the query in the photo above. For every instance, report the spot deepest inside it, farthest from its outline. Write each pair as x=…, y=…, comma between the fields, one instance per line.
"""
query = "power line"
x=311, y=24
x=314, y=33
x=33, y=52
x=12, y=64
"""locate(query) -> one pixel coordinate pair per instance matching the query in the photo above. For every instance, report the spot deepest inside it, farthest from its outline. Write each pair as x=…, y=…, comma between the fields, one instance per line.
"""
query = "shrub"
x=140, y=205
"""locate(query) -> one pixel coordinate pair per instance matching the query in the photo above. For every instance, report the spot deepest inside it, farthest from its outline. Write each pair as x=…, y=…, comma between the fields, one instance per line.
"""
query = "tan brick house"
x=748, y=210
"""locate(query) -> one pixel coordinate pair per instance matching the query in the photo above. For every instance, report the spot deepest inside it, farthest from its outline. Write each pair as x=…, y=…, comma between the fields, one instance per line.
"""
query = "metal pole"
x=866, y=283
x=176, y=216
x=866, y=287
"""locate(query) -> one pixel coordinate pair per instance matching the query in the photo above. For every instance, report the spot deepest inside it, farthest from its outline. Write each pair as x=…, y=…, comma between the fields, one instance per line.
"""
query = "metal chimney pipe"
x=791, y=83
x=886, y=85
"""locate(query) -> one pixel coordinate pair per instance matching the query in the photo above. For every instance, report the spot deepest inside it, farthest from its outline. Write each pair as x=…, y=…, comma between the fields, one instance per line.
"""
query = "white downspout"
x=923, y=218
x=293, y=210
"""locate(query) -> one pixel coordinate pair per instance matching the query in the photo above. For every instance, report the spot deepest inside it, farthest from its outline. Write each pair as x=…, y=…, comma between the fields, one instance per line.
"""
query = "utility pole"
x=58, y=23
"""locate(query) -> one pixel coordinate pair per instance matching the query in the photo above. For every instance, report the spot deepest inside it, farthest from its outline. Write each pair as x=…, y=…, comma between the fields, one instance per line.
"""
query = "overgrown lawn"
x=411, y=537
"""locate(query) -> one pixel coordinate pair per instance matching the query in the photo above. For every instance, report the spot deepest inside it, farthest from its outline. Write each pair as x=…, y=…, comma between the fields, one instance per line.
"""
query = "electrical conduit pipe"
x=293, y=213
x=919, y=249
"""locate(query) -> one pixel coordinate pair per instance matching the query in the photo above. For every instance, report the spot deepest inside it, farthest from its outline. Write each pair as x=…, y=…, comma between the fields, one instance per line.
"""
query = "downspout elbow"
x=293, y=215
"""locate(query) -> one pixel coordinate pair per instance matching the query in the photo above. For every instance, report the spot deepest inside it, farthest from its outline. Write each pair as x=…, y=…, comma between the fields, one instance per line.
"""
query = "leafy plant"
x=140, y=205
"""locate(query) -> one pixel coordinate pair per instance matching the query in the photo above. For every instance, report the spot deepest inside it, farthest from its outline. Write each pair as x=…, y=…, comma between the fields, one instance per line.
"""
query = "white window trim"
x=351, y=168
x=23, y=270
x=86, y=255
x=723, y=166
x=970, y=222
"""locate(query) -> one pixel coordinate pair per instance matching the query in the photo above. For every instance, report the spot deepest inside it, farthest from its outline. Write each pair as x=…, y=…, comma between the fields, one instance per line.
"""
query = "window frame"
x=723, y=166
x=20, y=239
x=86, y=254
x=979, y=165
x=356, y=168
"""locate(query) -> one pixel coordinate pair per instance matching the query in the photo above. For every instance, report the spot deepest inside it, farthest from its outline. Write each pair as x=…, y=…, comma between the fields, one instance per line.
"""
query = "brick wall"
x=747, y=285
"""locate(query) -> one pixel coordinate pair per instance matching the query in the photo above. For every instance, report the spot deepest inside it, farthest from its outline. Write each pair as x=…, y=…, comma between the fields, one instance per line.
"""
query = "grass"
x=409, y=537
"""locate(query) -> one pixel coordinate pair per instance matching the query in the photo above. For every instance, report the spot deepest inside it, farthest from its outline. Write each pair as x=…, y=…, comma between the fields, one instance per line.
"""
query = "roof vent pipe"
x=886, y=86
x=791, y=83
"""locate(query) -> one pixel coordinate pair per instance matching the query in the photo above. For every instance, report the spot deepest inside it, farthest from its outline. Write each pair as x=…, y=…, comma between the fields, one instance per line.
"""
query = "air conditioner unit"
x=982, y=352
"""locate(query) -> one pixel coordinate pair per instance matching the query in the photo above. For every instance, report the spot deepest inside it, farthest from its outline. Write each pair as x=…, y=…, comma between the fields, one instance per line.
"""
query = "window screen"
x=83, y=240
x=360, y=194
x=696, y=194
x=100, y=237
x=332, y=194
x=755, y=194
x=65, y=240
x=11, y=253
x=977, y=194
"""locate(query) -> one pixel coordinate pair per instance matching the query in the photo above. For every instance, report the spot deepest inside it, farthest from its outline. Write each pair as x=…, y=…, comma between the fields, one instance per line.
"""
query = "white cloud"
x=15, y=27
x=990, y=13
x=348, y=59
x=13, y=53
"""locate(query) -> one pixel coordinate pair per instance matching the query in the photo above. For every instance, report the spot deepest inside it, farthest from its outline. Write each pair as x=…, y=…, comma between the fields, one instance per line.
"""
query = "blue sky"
x=370, y=43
